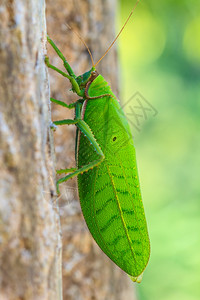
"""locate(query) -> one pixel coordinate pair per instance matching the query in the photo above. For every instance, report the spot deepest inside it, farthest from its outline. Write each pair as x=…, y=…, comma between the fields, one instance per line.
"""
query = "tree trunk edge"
x=30, y=247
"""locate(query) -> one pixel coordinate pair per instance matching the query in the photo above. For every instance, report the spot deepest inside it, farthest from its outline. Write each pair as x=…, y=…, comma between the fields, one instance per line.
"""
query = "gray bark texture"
x=30, y=243
x=88, y=274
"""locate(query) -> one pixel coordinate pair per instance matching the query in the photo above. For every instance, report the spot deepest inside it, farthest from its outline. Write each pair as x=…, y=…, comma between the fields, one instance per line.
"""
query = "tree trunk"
x=88, y=274
x=30, y=244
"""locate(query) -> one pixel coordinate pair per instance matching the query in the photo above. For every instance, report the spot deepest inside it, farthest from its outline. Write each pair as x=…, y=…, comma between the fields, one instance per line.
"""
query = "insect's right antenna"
x=82, y=40
x=118, y=33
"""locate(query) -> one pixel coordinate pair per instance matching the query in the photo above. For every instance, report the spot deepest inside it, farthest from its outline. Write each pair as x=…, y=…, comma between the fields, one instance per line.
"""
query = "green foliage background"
x=160, y=58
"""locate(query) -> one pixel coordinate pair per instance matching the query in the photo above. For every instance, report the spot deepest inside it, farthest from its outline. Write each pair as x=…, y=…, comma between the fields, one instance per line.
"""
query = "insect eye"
x=114, y=139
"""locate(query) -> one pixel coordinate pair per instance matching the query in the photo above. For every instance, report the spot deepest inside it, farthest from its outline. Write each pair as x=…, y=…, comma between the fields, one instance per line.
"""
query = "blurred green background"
x=160, y=57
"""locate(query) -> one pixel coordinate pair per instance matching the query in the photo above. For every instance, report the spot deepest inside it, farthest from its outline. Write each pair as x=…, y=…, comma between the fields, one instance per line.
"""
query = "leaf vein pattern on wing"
x=119, y=237
x=109, y=222
x=133, y=205
x=121, y=216
x=99, y=210
x=117, y=166
x=95, y=220
x=132, y=228
x=102, y=188
x=111, y=254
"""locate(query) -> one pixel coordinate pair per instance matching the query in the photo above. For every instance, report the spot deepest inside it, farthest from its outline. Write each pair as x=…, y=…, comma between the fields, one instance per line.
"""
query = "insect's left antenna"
x=118, y=33
x=82, y=40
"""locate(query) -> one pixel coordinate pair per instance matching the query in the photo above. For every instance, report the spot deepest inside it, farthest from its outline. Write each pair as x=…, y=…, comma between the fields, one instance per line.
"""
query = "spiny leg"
x=85, y=129
x=77, y=104
x=61, y=171
x=75, y=85
x=71, y=76
x=55, y=68
x=65, y=122
x=69, y=106
x=66, y=64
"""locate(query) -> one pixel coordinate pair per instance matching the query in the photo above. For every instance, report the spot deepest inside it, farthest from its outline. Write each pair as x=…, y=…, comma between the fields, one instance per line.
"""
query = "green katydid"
x=108, y=182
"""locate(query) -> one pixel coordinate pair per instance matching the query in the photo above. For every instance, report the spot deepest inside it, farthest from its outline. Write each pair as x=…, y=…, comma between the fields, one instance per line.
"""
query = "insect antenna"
x=82, y=40
x=118, y=33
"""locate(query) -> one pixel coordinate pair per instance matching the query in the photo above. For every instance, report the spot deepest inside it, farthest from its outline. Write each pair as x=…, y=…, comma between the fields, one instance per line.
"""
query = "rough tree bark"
x=30, y=244
x=87, y=273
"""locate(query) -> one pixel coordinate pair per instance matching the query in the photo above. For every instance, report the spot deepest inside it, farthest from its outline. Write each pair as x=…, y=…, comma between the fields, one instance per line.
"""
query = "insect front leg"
x=55, y=68
x=65, y=63
x=72, y=77
x=61, y=103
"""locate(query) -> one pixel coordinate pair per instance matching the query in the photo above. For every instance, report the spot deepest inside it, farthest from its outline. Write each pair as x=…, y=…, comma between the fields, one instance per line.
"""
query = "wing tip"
x=137, y=279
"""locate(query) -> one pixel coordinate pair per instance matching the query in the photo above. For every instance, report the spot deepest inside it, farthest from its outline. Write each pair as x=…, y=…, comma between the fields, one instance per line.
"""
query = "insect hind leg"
x=85, y=129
